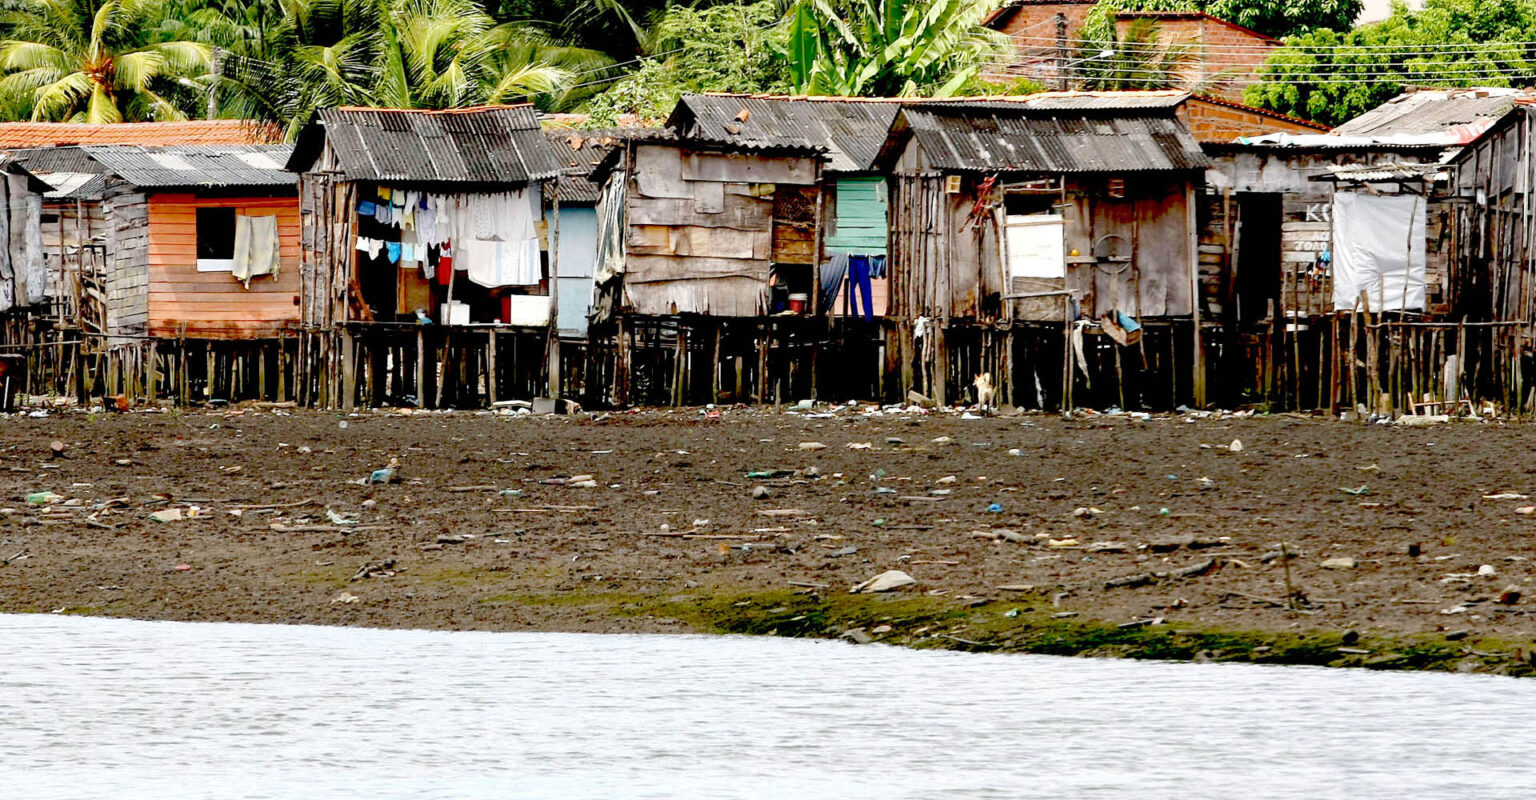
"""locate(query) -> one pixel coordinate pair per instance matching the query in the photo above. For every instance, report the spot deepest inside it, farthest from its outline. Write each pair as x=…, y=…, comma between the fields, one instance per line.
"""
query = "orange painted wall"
x=214, y=304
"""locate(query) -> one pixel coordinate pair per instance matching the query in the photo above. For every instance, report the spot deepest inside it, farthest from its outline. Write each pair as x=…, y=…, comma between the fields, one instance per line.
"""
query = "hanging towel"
x=832, y=274
x=256, y=247
x=367, y=208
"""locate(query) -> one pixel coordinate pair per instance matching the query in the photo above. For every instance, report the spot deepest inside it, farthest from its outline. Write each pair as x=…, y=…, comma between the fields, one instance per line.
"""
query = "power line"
x=1047, y=42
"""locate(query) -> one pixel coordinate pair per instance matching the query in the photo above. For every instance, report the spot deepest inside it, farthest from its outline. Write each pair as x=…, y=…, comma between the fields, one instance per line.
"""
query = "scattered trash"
x=44, y=498
x=887, y=581
x=1357, y=491
x=1015, y=452
x=1236, y=446
x=812, y=446
x=182, y=567
x=857, y=636
x=167, y=515
x=860, y=445
x=995, y=508
x=345, y=598
x=337, y=519
x=1510, y=596
x=1487, y=571
x=761, y=493
x=388, y=474
x=56, y=449
x=1342, y=562
x=1505, y=496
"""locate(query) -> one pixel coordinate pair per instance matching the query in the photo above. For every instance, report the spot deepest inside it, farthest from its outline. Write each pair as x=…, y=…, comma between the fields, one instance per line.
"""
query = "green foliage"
x=726, y=48
x=1277, y=18
x=279, y=60
x=890, y=48
x=1136, y=60
x=1331, y=77
x=94, y=61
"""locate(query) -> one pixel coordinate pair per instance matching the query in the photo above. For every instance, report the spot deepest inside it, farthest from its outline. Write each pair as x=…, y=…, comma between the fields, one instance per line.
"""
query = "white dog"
x=984, y=390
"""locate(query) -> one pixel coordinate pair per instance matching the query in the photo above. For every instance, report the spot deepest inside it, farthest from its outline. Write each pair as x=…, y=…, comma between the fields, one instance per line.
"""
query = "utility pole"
x=1061, y=51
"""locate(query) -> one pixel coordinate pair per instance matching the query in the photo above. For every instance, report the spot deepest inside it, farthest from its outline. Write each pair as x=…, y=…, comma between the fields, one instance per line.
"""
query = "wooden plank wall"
x=214, y=304
x=126, y=214
x=697, y=243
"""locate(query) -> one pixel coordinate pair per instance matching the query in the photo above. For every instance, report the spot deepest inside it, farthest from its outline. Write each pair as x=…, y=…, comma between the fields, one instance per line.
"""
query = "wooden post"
x=348, y=372
x=491, y=392
x=1066, y=356
x=714, y=367
x=554, y=295
x=1193, y=235
x=151, y=372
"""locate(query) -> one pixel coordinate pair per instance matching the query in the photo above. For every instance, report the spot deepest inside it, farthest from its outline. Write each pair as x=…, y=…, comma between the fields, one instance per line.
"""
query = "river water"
x=97, y=708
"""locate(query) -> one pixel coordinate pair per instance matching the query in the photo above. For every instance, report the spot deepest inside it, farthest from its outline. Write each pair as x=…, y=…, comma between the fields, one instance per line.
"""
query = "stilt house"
x=1005, y=215
x=715, y=242
x=424, y=247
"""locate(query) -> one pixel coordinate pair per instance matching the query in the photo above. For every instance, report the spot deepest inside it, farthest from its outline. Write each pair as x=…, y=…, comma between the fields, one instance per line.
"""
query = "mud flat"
x=1403, y=547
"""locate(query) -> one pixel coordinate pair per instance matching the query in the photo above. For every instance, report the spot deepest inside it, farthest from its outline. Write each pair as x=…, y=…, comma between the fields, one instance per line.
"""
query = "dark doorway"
x=1257, y=259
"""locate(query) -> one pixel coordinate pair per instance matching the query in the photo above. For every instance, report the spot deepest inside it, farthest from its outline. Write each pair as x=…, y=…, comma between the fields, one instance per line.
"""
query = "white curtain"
x=1378, y=249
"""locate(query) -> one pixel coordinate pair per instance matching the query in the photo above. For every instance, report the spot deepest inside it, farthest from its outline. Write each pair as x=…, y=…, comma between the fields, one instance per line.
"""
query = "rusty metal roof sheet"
x=196, y=166
x=851, y=129
x=579, y=151
x=491, y=144
x=995, y=138
x=1460, y=115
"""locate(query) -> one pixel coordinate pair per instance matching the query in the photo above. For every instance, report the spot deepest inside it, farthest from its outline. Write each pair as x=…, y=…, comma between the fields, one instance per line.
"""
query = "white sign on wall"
x=1036, y=245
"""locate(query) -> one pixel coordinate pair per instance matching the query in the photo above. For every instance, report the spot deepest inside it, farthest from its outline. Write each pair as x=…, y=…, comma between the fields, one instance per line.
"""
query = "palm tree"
x=890, y=47
x=1139, y=59
x=448, y=53
x=96, y=61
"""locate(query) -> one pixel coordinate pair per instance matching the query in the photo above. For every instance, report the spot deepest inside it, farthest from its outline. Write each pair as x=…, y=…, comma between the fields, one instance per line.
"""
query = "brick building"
x=1223, y=57
x=1033, y=27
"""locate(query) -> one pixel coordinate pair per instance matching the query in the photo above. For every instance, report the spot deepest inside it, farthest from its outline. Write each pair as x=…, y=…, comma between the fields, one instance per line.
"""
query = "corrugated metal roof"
x=579, y=151
x=492, y=144
x=1373, y=173
x=215, y=131
x=851, y=130
x=993, y=138
x=1458, y=115
x=196, y=166
x=41, y=160
x=1090, y=101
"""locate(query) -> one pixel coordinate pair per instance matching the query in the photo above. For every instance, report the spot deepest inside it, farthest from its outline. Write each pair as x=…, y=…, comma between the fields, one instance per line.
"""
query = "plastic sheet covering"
x=610, y=231
x=1378, y=249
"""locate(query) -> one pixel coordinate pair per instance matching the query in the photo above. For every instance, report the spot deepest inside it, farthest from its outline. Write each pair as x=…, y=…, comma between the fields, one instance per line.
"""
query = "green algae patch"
x=936, y=622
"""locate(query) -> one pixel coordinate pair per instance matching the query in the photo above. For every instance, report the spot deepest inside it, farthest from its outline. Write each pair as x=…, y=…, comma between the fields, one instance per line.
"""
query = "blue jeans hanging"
x=859, y=284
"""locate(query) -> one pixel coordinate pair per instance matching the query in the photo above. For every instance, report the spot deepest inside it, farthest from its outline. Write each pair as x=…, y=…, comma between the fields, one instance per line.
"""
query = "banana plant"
x=890, y=47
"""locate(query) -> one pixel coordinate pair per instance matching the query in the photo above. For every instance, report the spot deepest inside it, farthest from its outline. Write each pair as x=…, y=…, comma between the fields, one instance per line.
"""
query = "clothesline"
x=491, y=237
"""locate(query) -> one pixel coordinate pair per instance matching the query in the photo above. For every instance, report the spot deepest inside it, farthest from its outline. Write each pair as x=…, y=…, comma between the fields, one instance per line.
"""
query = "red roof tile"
x=219, y=131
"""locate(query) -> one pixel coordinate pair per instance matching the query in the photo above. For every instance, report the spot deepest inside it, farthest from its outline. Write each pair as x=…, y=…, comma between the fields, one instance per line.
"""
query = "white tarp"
x=1378, y=248
x=1036, y=246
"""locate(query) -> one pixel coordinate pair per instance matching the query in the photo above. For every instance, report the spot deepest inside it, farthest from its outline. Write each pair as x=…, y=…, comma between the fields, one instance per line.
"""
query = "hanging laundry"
x=393, y=248
x=367, y=208
x=256, y=247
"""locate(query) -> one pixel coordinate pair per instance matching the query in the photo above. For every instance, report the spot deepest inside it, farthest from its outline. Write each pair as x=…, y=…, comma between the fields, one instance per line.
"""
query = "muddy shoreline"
x=1109, y=535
